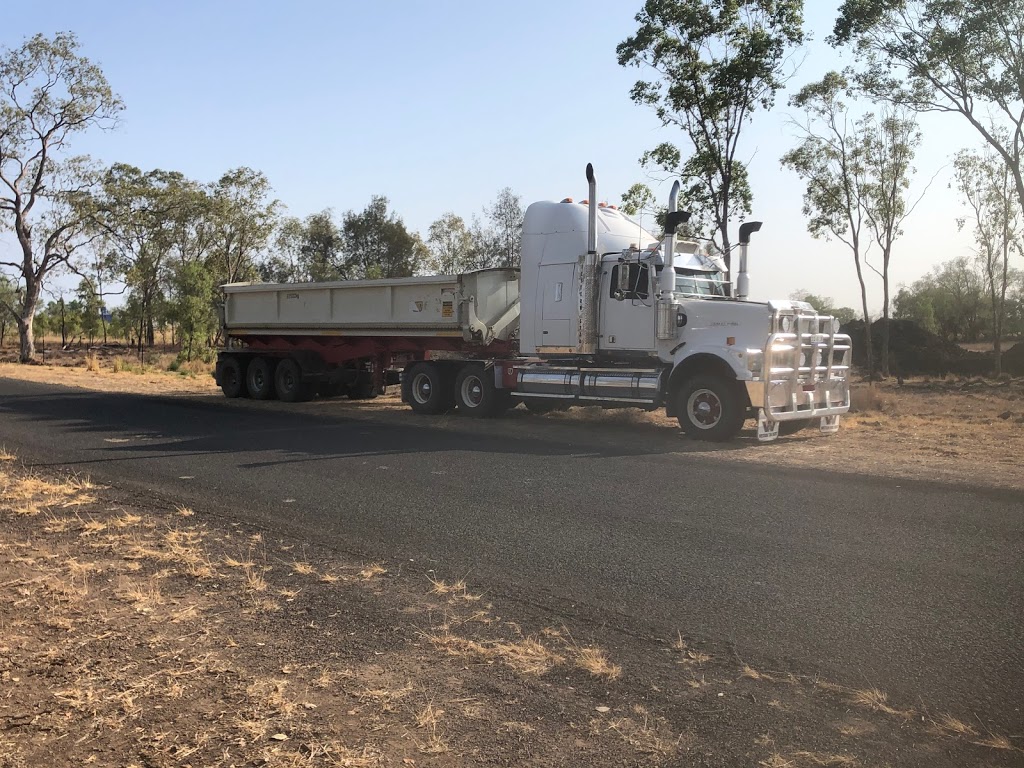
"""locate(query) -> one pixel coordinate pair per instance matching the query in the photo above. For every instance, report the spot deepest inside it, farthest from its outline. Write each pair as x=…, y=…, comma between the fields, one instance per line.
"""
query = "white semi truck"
x=600, y=312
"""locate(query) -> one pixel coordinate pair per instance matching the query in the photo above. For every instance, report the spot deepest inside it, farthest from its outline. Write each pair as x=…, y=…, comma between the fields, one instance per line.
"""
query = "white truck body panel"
x=444, y=305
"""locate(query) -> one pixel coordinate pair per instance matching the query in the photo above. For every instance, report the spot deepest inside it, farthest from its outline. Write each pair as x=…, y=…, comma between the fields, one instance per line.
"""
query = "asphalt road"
x=913, y=587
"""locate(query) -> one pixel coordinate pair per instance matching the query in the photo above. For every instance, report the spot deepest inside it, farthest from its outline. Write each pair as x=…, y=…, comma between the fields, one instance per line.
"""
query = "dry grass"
x=303, y=569
x=804, y=758
x=371, y=571
x=995, y=741
x=644, y=733
x=595, y=661
x=954, y=726
x=92, y=363
x=876, y=700
x=527, y=655
x=869, y=399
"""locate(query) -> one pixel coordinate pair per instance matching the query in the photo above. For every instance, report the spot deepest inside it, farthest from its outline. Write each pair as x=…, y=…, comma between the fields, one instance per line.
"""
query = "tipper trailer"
x=600, y=312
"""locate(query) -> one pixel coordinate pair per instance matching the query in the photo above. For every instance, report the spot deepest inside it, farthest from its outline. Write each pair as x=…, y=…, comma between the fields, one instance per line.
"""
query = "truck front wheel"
x=427, y=388
x=476, y=394
x=710, y=408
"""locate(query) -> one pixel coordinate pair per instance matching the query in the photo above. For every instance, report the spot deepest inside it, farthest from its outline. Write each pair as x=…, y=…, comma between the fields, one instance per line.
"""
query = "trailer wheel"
x=426, y=387
x=476, y=394
x=232, y=380
x=710, y=407
x=288, y=382
x=259, y=378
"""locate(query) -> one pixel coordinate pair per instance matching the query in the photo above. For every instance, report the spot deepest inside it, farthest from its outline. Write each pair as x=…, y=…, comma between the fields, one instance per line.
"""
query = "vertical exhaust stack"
x=589, y=276
x=742, y=277
x=666, y=328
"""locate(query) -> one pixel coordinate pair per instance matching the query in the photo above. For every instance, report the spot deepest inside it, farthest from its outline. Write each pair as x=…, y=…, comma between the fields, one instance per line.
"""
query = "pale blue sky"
x=439, y=105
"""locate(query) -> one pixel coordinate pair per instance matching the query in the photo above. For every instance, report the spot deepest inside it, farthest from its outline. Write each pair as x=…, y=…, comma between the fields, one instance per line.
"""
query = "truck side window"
x=639, y=285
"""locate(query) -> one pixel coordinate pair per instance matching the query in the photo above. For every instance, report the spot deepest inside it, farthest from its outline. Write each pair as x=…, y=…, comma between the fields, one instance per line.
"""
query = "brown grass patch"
x=876, y=700
x=595, y=661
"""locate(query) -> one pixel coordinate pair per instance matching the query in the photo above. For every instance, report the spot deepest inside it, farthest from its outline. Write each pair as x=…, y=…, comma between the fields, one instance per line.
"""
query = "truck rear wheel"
x=259, y=378
x=232, y=380
x=476, y=394
x=427, y=388
x=288, y=382
x=710, y=407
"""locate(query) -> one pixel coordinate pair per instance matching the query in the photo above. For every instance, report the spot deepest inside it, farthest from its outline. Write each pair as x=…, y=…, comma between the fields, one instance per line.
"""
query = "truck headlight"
x=785, y=323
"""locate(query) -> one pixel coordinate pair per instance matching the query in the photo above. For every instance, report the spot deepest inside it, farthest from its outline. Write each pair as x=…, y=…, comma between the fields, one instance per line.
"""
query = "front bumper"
x=803, y=375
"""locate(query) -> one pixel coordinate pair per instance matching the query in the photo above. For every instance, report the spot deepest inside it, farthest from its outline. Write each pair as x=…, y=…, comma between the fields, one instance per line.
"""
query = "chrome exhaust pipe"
x=589, y=276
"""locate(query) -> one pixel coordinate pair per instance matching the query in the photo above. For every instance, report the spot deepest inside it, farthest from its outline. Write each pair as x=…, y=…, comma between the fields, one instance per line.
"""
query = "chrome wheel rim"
x=472, y=391
x=704, y=408
x=422, y=388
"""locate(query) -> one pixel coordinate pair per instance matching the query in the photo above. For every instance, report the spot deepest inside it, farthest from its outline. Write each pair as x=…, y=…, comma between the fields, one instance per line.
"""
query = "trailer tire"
x=288, y=382
x=710, y=407
x=259, y=378
x=427, y=388
x=475, y=392
x=232, y=379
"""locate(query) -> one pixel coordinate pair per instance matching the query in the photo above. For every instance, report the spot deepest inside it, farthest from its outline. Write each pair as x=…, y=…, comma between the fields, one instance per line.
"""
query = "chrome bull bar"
x=805, y=373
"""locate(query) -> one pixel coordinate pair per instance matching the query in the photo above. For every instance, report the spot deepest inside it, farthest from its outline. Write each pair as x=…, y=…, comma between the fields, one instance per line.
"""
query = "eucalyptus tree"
x=712, y=65
x=49, y=94
x=986, y=184
x=963, y=57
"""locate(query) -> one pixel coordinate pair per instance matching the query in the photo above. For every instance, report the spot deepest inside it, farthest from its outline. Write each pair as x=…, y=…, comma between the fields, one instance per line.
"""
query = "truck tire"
x=710, y=407
x=475, y=393
x=288, y=382
x=232, y=379
x=363, y=387
x=259, y=378
x=427, y=388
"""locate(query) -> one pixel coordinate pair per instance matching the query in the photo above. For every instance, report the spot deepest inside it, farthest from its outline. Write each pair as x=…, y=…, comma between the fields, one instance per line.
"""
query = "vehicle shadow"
x=152, y=427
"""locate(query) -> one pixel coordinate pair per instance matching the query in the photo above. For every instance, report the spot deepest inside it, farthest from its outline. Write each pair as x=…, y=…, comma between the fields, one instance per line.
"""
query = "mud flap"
x=766, y=430
x=829, y=424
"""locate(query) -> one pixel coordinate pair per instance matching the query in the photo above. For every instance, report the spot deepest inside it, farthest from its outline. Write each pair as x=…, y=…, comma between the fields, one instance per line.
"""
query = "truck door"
x=627, y=316
x=556, y=308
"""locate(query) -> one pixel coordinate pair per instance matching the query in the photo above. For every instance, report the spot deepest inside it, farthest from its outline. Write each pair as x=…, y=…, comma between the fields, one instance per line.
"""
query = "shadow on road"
x=165, y=426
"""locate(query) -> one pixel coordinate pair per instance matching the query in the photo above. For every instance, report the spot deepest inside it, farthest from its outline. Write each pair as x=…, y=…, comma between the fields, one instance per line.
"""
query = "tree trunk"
x=867, y=323
x=28, y=343
x=885, y=323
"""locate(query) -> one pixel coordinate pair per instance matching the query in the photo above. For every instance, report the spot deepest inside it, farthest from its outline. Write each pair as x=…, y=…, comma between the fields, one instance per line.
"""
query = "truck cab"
x=682, y=340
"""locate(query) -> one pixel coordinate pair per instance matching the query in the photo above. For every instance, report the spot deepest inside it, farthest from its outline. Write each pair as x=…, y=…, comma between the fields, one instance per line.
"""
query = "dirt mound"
x=914, y=350
x=1013, y=359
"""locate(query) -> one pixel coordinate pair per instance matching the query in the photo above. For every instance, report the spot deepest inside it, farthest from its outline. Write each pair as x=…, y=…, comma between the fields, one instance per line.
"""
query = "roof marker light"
x=567, y=200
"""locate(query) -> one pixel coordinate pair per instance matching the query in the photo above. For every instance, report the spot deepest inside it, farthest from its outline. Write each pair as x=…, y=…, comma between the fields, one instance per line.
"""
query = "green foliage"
x=376, y=243
x=950, y=300
x=714, y=63
x=191, y=308
x=450, y=246
x=826, y=306
x=955, y=56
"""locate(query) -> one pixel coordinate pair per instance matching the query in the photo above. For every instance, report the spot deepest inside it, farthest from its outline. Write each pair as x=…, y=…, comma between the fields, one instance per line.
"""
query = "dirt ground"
x=960, y=430
x=141, y=636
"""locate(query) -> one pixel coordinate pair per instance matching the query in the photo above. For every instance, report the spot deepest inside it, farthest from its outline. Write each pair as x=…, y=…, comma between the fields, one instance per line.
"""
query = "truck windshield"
x=691, y=283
